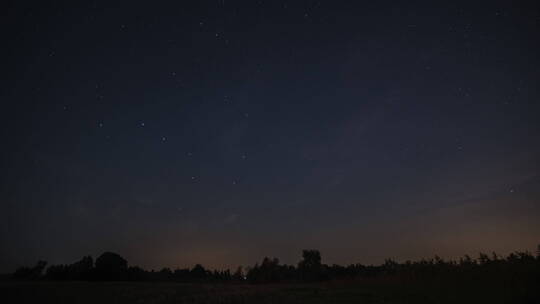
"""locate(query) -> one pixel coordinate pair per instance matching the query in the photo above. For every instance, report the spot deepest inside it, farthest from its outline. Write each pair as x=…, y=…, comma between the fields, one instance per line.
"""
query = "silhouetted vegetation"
x=80, y=270
x=310, y=268
x=30, y=273
x=488, y=278
x=112, y=267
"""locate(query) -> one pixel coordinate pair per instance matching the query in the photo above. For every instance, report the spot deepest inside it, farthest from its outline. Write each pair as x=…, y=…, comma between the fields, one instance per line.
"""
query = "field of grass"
x=358, y=291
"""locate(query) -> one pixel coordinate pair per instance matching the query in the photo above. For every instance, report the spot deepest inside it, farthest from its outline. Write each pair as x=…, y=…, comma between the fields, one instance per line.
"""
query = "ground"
x=358, y=291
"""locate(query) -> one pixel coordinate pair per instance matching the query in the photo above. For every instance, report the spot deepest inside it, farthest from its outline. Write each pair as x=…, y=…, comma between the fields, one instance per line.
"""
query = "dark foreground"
x=386, y=290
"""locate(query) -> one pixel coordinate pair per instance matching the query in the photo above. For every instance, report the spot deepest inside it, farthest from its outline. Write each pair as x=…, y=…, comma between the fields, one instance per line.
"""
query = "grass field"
x=359, y=291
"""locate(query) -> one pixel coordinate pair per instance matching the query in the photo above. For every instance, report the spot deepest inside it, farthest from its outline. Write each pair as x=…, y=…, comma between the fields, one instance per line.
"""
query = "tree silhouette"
x=198, y=272
x=111, y=266
x=80, y=270
x=238, y=274
x=310, y=268
x=30, y=273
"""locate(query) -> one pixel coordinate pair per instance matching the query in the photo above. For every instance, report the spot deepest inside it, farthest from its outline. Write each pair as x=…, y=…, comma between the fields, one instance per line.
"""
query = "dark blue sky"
x=218, y=132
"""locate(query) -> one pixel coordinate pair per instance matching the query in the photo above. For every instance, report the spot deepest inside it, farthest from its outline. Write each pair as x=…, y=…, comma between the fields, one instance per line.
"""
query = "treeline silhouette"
x=112, y=267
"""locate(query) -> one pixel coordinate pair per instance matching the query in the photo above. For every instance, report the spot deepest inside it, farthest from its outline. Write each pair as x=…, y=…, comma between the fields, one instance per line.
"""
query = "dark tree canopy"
x=112, y=266
x=80, y=270
x=30, y=273
x=310, y=267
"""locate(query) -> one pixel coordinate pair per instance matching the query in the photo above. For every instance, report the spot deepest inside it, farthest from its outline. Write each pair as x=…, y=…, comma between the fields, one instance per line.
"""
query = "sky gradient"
x=220, y=132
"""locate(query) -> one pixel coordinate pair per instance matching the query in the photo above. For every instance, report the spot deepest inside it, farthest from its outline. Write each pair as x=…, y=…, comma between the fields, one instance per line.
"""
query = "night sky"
x=220, y=132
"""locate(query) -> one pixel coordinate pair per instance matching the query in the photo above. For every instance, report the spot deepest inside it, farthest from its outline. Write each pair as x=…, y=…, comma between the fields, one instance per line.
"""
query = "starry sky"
x=220, y=132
